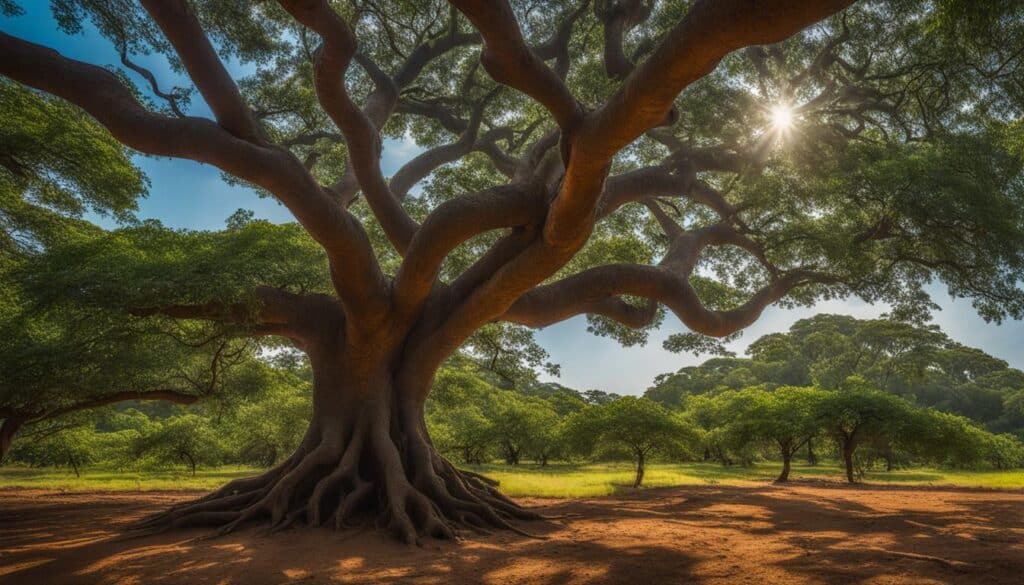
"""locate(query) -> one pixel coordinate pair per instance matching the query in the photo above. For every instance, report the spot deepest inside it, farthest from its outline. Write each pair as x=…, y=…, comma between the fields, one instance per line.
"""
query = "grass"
x=558, y=480
x=564, y=480
x=99, y=479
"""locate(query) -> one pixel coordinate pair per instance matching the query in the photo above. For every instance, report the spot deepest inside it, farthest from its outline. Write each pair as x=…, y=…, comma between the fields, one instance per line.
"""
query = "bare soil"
x=800, y=533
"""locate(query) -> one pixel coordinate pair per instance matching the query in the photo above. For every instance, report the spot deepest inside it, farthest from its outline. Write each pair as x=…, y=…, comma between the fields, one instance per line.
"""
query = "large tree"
x=567, y=172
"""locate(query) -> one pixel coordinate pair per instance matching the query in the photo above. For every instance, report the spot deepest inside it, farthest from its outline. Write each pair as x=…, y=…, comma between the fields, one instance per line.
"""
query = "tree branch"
x=509, y=61
x=181, y=27
x=361, y=133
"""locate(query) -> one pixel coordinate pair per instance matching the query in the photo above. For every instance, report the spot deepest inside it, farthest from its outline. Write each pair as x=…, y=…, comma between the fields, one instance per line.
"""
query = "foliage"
x=917, y=362
x=638, y=425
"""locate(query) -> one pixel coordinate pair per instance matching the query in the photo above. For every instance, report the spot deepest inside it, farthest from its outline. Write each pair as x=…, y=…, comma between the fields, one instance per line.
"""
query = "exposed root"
x=368, y=478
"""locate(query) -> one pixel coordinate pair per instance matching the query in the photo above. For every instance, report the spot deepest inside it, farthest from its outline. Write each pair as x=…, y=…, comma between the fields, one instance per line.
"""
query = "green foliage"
x=917, y=362
x=636, y=425
x=187, y=439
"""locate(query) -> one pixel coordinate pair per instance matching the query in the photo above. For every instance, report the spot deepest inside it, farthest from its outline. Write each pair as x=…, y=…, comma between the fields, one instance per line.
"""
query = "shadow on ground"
x=801, y=533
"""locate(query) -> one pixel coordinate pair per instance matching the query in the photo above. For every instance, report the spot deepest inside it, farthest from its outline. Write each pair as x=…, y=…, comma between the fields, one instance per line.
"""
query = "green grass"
x=98, y=479
x=557, y=480
x=564, y=480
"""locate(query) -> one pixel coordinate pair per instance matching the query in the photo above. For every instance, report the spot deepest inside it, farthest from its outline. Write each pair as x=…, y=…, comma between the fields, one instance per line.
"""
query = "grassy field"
x=555, y=480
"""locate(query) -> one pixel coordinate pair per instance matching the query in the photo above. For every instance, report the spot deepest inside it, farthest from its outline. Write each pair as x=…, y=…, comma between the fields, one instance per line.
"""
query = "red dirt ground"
x=802, y=533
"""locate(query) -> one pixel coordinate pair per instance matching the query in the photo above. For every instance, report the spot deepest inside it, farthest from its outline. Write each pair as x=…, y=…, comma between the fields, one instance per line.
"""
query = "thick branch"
x=174, y=396
x=361, y=134
x=709, y=31
x=509, y=61
x=577, y=294
x=102, y=95
x=179, y=23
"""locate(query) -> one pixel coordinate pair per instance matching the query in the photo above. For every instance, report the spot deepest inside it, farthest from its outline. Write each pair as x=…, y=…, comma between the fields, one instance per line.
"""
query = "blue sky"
x=189, y=195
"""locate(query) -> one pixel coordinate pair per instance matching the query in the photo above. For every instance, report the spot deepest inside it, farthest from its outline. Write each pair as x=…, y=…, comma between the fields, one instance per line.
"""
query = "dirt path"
x=803, y=533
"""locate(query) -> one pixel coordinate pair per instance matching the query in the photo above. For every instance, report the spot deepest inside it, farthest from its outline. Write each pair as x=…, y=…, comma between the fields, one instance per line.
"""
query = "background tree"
x=635, y=424
x=73, y=447
x=786, y=418
x=187, y=439
x=521, y=425
x=859, y=414
x=567, y=173
x=915, y=361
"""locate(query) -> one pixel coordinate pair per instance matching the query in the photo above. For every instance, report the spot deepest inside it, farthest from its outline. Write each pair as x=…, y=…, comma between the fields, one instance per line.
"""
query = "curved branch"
x=618, y=17
x=710, y=30
x=453, y=223
x=170, y=98
x=102, y=95
x=174, y=396
x=181, y=27
x=579, y=293
x=361, y=133
x=509, y=61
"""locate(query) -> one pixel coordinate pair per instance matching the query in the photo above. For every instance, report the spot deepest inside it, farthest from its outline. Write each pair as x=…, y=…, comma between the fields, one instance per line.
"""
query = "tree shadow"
x=704, y=534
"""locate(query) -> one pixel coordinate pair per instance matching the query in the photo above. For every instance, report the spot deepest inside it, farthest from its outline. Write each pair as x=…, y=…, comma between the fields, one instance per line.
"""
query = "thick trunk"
x=639, y=470
x=366, y=458
x=848, y=459
x=784, y=476
x=8, y=430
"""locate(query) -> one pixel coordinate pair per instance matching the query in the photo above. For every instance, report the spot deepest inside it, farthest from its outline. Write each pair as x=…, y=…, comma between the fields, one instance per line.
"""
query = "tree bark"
x=812, y=459
x=366, y=457
x=639, y=469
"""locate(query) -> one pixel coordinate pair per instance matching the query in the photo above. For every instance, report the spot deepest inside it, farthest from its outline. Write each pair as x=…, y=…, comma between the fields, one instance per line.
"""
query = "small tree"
x=187, y=438
x=637, y=424
x=73, y=447
x=520, y=424
x=463, y=430
x=786, y=418
x=860, y=414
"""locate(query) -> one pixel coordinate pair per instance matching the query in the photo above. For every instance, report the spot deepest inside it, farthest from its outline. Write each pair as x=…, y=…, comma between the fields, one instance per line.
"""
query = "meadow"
x=556, y=480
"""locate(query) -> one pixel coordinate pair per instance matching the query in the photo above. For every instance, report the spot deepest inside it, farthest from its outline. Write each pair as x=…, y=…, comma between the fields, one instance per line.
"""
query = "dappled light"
x=702, y=534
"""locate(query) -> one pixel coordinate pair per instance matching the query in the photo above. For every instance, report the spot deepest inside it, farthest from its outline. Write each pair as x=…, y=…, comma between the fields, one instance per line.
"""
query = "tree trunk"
x=511, y=455
x=848, y=459
x=639, y=469
x=784, y=476
x=812, y=459
x=8, y=429
x=366, y=458
x=543, y=460
x=185, y=455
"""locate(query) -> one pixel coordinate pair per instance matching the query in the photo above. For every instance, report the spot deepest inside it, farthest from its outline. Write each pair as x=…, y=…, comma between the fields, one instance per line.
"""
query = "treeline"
x=917, y=362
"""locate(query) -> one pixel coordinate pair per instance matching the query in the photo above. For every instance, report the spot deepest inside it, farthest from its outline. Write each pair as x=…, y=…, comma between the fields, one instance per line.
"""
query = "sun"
x=781, y=117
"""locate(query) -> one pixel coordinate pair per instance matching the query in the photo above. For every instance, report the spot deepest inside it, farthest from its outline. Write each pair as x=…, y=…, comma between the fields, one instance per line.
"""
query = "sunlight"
x=782, y=117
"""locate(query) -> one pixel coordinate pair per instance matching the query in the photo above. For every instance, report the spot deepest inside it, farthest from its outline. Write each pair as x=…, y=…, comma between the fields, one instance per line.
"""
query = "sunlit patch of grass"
x=566, y=480
x=98, y=479
x=557, y=480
